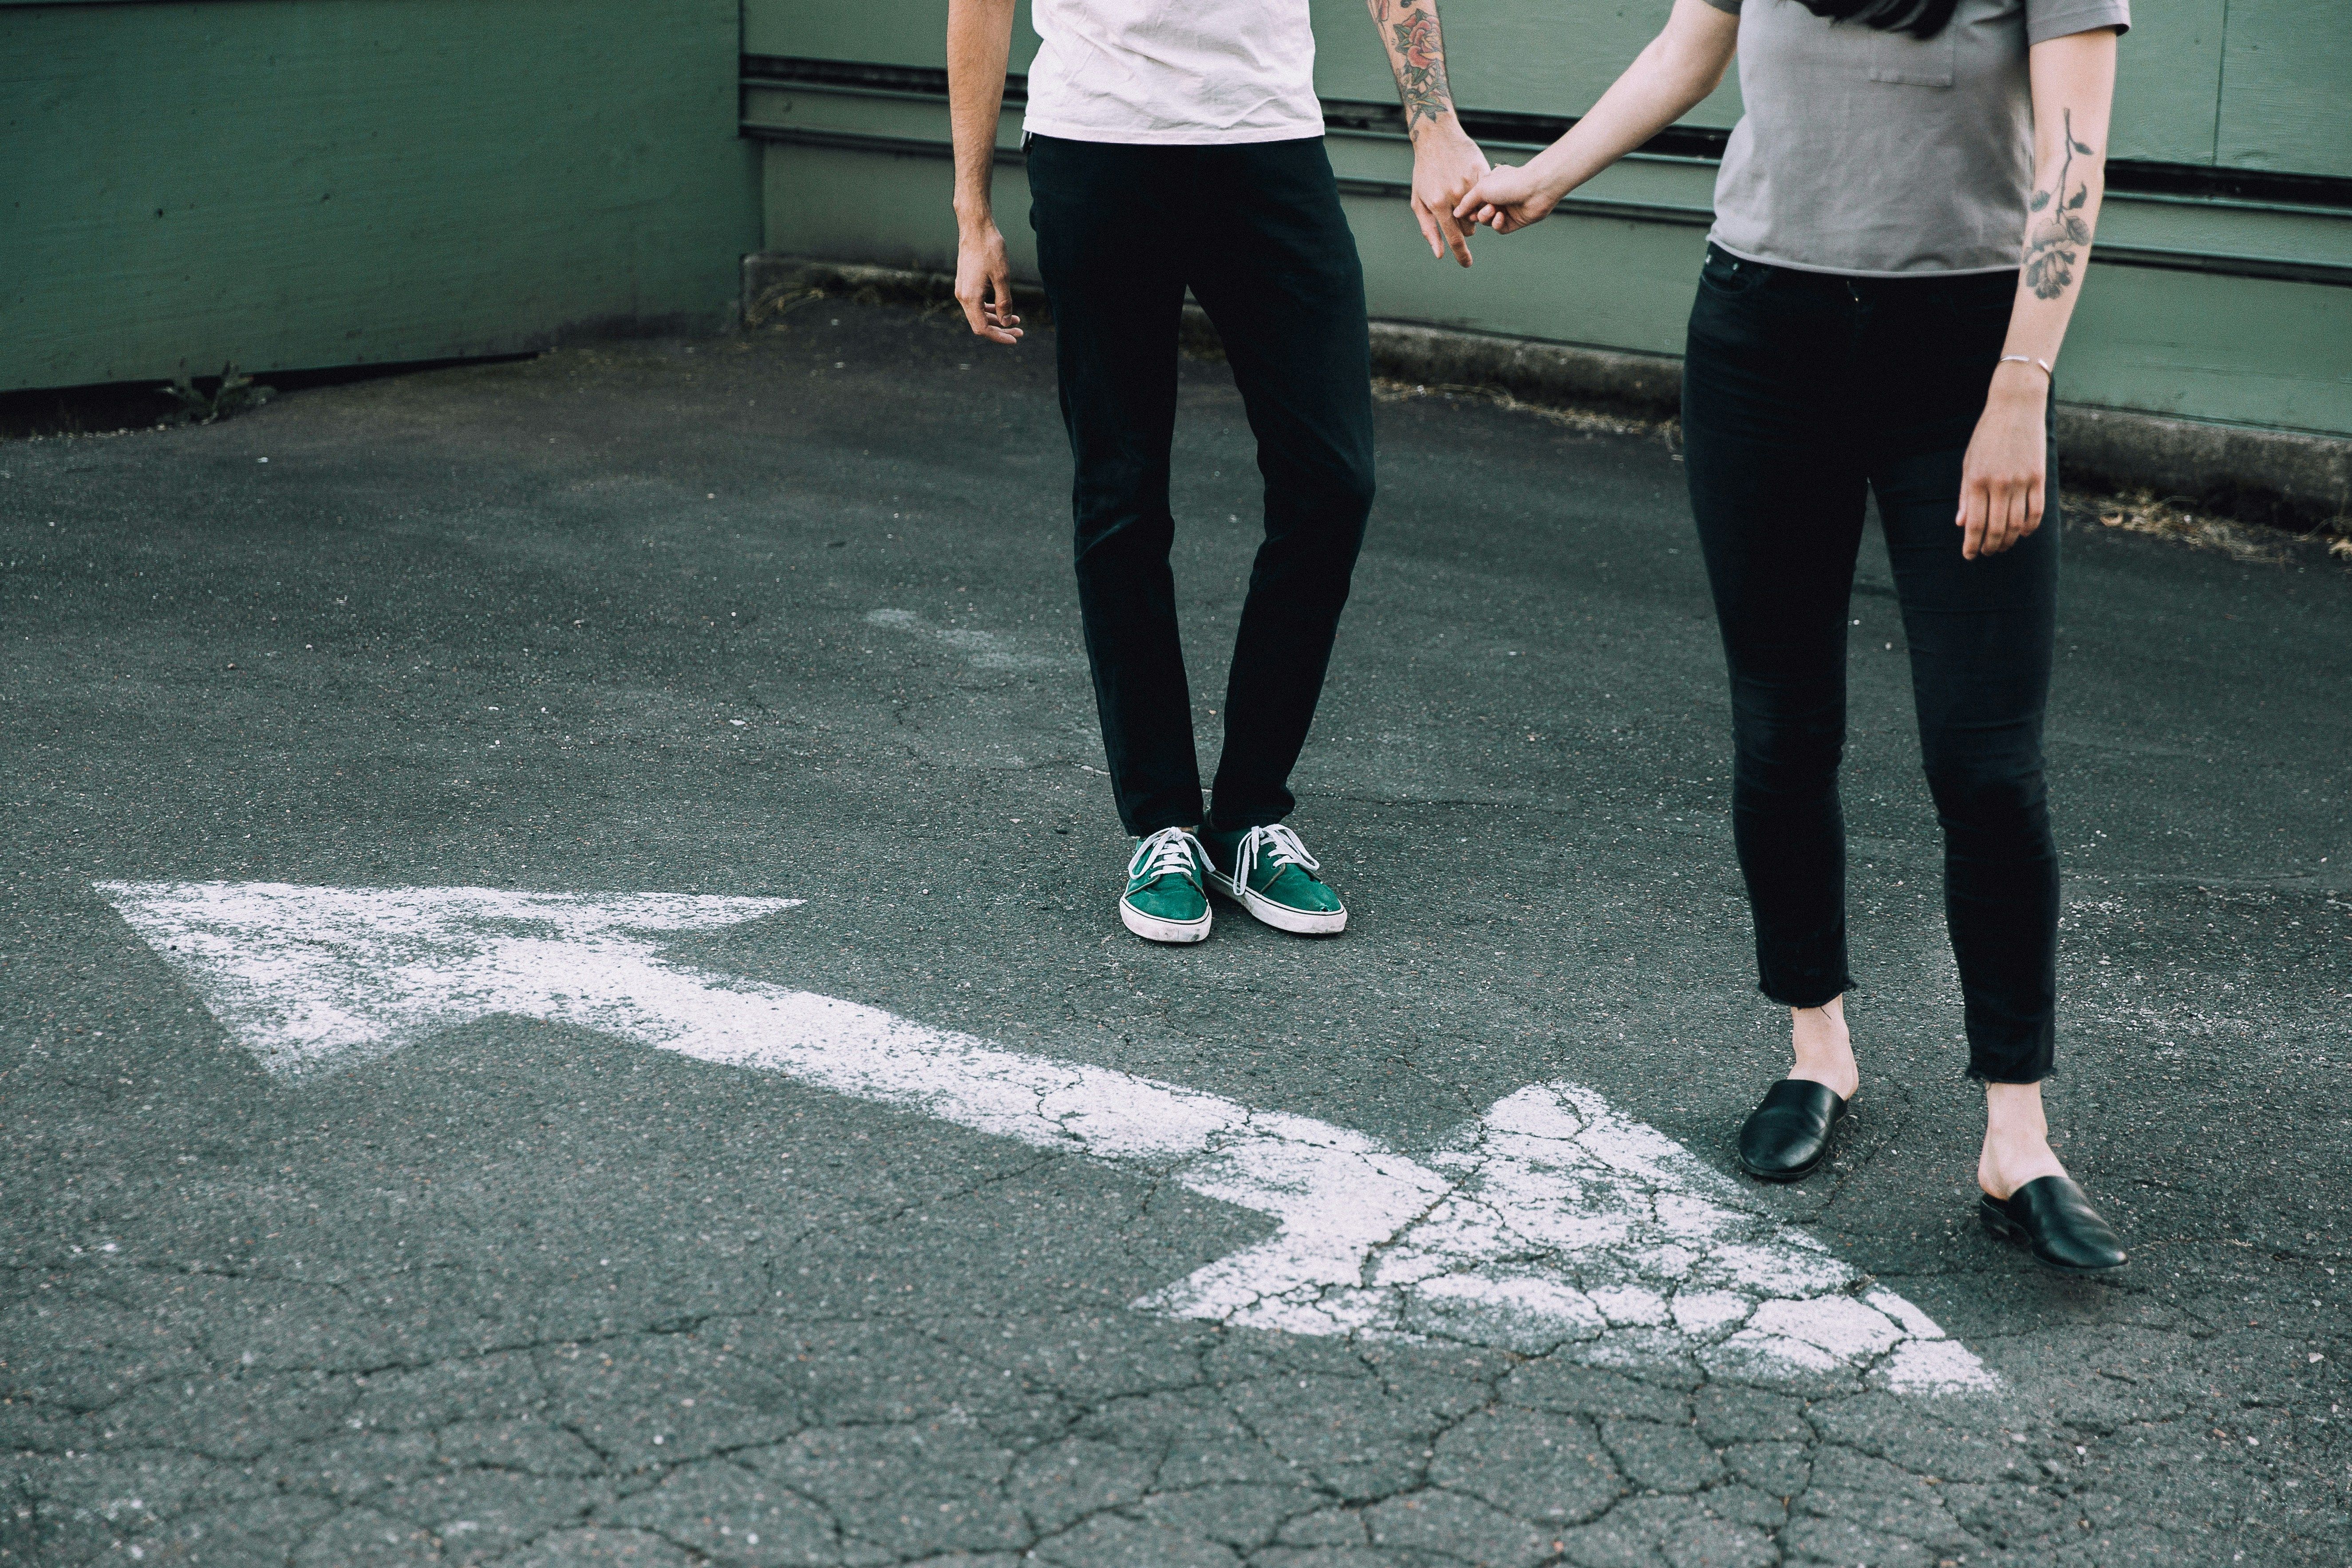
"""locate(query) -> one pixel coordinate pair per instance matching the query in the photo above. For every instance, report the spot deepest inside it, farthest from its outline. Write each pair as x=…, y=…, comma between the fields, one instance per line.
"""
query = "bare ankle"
x=2017, y=1140
x=1823, y=1047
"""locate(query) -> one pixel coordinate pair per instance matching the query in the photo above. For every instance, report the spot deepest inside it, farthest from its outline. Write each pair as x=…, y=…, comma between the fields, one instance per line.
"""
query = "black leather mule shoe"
x=1788, y=1134
x=2051, y=1215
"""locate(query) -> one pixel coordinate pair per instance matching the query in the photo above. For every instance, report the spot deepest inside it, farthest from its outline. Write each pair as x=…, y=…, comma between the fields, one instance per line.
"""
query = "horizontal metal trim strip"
x=2135, y=176
x=1588, y=206
x=932, y=147
x=1486, y=126
x=838, y=89
x=2276, y=267
x=2286, y=268
x=849, y=76
x=867, y=142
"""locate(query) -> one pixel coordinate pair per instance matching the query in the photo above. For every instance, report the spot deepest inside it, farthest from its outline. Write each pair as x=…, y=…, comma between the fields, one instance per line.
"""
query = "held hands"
x=2001, y=477
x=1507, y=198
x=983, y=282
x=1446, y=164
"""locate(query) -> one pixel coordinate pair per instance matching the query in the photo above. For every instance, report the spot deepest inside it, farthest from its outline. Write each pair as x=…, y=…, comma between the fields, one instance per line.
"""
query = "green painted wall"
x=2287, y=72
x=2169, y=82
x=2257, y=84
x=1529, y=56
x=305, y=182
x=2182, y=332
x=2288, y=65
x=889, y=32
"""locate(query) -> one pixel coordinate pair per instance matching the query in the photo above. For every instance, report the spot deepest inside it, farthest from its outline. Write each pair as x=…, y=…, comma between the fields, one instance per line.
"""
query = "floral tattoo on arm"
x=1417, y=56
x=2057, y=237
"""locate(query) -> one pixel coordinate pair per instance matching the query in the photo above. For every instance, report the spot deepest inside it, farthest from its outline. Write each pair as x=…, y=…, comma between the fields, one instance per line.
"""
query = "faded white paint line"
x=1553, y=1223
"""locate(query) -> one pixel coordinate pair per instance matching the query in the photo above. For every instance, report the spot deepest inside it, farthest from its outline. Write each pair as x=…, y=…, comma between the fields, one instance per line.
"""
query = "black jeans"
x=1799, y=389
x=1256, y=233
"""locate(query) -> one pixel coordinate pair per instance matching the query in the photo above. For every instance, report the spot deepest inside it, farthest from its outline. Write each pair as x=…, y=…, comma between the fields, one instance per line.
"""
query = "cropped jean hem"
x=1794, y=995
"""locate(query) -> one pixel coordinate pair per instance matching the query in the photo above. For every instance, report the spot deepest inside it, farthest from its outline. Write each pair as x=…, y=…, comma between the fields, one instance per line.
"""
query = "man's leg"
x=1274, y=264
x=1105, y=244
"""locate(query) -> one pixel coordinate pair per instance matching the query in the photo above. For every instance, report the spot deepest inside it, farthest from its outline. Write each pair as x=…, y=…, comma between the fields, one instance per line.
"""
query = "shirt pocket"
x=1916, y=62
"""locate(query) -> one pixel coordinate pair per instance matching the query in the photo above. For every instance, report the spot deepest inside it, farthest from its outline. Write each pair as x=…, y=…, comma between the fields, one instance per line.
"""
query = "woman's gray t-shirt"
x=1881, y=154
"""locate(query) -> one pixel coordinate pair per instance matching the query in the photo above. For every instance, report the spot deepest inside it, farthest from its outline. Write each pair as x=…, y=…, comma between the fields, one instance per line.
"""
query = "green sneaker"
x=1164, y=900
x=1268, y=872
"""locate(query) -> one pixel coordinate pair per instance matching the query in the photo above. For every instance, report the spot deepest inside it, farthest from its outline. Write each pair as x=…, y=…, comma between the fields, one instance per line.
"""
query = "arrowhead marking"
x=1553, y=1223
x=309, y=978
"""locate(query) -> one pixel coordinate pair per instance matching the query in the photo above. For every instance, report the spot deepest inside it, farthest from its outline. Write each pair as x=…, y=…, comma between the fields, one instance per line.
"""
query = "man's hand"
x=984, y=284
x=2007, y=465
x=980, y=38
x=1446, y=162
x=1507, y=198
x=1445, y=165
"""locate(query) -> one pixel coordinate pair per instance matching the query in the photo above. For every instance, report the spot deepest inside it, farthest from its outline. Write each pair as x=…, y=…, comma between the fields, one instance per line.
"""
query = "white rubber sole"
x=1153, y=929
x=1298, y=922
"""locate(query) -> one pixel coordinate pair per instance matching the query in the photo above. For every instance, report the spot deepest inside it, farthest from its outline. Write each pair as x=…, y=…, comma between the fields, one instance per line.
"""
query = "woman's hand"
x=2007, y=463
x=2005, y=476
x=1507, y=198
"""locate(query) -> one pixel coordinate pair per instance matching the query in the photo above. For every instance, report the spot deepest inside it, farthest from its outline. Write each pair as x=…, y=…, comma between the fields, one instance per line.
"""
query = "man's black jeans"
x=1800, y=390
x=1256, y=233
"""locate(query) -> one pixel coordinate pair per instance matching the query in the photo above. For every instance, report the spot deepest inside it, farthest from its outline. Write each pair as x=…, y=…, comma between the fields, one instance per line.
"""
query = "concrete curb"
x=2287, y=478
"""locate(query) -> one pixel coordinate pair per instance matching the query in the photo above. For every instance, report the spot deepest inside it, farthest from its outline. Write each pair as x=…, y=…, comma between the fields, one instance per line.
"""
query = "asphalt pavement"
x=789, y=616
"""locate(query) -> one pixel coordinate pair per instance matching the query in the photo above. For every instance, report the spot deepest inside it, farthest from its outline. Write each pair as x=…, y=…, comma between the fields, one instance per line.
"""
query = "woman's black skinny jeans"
x=1800, y=390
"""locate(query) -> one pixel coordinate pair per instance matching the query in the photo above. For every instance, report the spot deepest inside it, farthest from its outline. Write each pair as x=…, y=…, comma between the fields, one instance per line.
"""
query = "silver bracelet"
x=2029, y=359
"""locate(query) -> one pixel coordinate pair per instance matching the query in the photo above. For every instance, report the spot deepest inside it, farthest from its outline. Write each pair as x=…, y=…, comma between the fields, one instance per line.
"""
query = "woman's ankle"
x=2017, y=1140
x=1823, y=1047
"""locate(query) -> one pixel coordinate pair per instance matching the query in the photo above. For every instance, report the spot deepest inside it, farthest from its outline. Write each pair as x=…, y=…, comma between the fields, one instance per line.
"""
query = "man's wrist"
x=1444, y=126
x=973, y=216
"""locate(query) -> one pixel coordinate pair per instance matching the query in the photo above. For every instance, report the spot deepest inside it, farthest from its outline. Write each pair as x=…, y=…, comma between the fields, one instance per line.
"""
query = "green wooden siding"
x=2190, y=344
x=1528, y=56
x=2169, y=82
x=2257, y=84
x=890, y=32
x=305, y=182
x=2217, y=316
x=2287, y=87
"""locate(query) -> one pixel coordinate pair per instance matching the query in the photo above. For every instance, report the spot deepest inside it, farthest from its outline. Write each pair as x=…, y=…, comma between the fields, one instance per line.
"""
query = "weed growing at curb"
x=1388, y=389
x=2171, y=518
x=2177, y=519
x=232, y=393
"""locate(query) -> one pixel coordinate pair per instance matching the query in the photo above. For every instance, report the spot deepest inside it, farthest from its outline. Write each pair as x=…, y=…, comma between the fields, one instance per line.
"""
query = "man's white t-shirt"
x=1174, y=72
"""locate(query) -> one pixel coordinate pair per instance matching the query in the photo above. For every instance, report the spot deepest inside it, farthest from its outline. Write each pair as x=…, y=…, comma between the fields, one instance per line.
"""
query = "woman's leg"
x=1776, y=489
x=1981, y=638
x=1982, y=634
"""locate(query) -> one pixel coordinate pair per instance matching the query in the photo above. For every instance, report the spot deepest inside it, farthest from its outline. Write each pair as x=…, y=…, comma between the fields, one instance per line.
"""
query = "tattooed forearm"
x=1417, y=56
x=2059, y=232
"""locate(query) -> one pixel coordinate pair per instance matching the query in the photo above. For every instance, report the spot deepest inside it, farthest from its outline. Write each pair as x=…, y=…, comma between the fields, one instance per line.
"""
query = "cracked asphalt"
x=790, y=614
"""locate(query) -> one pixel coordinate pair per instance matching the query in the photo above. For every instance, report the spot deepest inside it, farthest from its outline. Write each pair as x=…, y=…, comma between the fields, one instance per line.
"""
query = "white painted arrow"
x=1551, y=1224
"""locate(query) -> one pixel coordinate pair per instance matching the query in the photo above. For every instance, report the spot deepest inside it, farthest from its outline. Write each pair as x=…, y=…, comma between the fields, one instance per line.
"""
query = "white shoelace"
x=1277, y=845
x=1169, y=850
